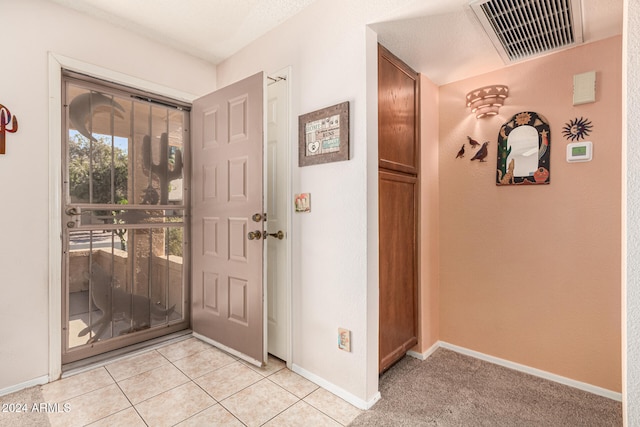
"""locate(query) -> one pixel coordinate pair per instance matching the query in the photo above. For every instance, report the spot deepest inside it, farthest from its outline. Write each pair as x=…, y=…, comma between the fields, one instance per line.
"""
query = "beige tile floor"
x=190, y=383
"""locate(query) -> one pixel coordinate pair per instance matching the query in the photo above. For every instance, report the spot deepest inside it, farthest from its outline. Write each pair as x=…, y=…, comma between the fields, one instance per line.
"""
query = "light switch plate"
x=302, y=202
x=344, y=339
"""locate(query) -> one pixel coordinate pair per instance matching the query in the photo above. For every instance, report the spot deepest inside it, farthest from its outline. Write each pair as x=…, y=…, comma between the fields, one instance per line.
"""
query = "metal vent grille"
x=521, y=29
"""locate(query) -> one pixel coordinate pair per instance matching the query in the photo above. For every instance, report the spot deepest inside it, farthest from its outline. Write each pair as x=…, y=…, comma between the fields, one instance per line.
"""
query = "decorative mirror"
x=524, y=150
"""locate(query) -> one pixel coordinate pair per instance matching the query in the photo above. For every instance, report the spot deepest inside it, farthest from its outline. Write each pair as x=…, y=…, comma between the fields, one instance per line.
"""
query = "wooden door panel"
x=238, y=119
x=398, y=268
x=397, y=114
x=210, y=119
x=238, y=230
x=210, y=293
x=228, y=184
x=238, y=180
x=238, y=304
x=210, y=236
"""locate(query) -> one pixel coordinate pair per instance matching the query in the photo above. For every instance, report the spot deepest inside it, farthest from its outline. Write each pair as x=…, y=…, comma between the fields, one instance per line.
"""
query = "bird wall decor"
x=473, y=142
x=461, y=152
x=482, y=153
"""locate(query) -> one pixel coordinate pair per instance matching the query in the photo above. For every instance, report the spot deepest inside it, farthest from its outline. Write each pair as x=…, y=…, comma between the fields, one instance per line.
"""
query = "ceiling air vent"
x=521, y=29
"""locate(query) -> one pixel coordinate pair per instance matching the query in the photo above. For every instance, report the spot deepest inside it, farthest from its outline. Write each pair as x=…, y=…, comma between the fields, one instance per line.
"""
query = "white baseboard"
x=17, y=387
x=426, y=354
x=338, y=391
x=535, y=372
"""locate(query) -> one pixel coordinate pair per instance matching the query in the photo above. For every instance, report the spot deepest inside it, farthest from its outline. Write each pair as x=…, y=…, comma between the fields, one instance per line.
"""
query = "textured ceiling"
x=209, y=29
x=440, y=38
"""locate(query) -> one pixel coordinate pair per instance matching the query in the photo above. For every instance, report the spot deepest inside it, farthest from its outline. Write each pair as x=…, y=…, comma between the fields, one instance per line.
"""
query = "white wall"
x=31, y=29
x=335, y=275
x=631, y=323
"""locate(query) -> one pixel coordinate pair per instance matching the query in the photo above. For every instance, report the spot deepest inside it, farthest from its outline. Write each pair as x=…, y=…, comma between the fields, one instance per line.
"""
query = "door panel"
x=227, y=301
x=398, y=270
x=397, y=114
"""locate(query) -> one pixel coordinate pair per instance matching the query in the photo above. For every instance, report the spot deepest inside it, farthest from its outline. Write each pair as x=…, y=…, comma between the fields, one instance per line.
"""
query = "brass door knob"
x=254, y=235
x=279, y=235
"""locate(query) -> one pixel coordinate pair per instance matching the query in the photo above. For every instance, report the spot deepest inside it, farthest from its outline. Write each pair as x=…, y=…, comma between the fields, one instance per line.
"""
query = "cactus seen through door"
x=165, y=170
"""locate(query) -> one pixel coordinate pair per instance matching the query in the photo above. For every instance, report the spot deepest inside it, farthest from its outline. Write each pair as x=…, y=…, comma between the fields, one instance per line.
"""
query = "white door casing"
x=227, y=265
x=277, y=218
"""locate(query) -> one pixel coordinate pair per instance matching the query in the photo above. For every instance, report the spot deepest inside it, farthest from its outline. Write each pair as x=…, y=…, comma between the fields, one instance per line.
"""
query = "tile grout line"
x=320, y=410
x=67, y=400
x=155, y=395
x=205, y=391
x=299, y=399
x=126, y=397
x=192, y=380
x=137, y=373
x=208, y=394
x=250, y=385
x=282, y=387
x=217, y=403
x=307, y=395
x=288, y=407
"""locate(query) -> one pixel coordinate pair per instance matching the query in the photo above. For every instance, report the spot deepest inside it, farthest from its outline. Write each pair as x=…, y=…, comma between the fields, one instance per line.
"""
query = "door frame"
x=285, y=73
x=56, y=64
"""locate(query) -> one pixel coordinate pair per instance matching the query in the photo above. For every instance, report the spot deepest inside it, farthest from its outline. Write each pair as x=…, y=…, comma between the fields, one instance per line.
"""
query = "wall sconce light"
x=486, y=101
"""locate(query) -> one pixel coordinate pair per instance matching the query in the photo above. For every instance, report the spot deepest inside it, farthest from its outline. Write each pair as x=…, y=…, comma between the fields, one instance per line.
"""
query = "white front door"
x=277, y=216
x=227, y=211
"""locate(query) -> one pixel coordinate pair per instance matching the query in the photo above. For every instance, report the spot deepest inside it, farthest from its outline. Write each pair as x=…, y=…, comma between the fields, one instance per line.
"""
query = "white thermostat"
x=579, y=151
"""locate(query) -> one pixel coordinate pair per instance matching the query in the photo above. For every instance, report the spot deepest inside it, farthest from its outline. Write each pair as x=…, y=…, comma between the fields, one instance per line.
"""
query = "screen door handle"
x=72, y=211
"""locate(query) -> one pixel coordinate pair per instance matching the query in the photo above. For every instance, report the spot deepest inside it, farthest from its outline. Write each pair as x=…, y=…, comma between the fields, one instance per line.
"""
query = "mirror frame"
x=542, y=174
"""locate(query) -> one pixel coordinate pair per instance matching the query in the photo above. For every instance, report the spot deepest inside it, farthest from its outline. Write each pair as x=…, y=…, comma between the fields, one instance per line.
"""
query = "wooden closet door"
x=398, y=142
x=398, y=270
x=398, y=165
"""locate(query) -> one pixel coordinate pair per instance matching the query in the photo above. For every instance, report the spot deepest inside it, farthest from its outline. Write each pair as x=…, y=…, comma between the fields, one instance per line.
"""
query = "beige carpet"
x=450, y=389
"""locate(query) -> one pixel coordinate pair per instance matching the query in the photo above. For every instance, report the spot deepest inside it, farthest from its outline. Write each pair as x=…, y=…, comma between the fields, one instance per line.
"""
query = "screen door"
x=124, y=190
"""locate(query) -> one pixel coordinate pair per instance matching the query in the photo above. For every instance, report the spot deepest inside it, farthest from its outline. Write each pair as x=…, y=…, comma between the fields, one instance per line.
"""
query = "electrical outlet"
x=344, y=339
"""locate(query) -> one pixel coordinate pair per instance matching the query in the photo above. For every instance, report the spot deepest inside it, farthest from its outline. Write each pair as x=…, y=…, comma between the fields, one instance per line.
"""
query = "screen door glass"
x=123, y=218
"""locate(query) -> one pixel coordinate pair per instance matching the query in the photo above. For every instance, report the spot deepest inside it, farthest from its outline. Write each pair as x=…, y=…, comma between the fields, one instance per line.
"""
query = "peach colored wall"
x=532, y=274
x=429, y=216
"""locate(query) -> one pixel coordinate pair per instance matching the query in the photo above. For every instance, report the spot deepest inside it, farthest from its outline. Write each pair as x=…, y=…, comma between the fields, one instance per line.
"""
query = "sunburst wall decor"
x=577, y=129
